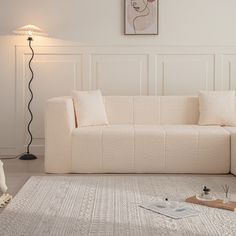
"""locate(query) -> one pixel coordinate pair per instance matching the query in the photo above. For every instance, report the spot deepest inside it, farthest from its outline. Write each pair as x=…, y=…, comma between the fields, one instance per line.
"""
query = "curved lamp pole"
x=29, y=30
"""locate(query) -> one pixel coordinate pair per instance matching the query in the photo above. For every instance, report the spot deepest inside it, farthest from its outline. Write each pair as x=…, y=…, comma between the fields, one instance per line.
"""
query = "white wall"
x=199, y=35
x=182, y=22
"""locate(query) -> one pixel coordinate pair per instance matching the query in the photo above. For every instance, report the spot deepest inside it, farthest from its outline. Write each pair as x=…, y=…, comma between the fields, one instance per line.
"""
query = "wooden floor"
x=19, y=171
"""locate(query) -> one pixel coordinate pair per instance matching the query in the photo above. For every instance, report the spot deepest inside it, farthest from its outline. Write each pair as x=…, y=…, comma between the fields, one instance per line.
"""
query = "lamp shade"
x=30, y=30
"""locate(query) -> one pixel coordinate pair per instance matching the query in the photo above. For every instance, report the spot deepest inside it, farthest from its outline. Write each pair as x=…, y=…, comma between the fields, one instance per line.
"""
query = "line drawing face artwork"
x=141, y=16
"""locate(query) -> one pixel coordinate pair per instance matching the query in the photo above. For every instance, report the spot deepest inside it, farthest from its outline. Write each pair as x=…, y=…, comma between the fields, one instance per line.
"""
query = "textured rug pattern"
x=108, y=205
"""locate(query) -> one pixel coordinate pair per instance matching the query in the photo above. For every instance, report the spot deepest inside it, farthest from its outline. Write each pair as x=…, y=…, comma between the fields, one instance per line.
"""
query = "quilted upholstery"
x=150, y=110
x=150, y=149
x=59, y=123
x=145, y=135
x=232, y=131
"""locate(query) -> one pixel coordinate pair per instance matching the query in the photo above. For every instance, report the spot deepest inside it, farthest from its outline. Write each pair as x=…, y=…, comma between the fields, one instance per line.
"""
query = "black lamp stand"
x=28, y=155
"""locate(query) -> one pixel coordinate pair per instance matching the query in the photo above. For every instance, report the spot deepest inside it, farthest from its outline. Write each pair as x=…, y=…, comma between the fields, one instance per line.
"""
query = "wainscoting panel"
x=229, y=71
x=53, y=76
x=116, y=70
x=184, y=74
x=120, y=74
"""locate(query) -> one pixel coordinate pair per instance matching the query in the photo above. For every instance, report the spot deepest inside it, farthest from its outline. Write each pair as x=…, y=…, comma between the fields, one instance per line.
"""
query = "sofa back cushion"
x=179, y=110
x=151, y=109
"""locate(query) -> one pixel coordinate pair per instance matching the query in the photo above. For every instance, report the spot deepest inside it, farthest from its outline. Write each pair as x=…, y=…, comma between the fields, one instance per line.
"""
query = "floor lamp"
x=30, y=31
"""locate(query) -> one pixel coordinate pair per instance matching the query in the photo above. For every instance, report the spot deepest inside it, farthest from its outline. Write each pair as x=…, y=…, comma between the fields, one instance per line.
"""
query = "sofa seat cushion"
x=150, y=149
x=103, y=149
x=197, y=149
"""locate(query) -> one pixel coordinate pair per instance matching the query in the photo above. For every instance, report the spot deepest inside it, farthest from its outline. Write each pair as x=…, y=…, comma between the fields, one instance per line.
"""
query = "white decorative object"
x=3, y=186
x=146, y=134
x=217, y=108
x=5, y=199
x=89, y=107
x=109, y=205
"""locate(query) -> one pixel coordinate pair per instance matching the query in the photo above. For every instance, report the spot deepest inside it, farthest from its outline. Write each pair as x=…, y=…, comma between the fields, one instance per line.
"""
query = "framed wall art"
x=141, y=17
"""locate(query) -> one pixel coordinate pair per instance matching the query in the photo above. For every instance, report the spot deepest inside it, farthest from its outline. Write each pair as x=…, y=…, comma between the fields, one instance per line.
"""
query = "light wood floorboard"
x=17, y=172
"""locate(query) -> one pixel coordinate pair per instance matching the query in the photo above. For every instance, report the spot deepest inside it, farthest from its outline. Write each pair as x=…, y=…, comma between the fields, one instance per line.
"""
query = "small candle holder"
x=226, y=198
x=206, y=195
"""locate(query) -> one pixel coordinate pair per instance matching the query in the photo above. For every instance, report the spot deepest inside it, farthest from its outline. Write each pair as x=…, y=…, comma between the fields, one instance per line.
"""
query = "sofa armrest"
x=59, y=123
x=232, y=131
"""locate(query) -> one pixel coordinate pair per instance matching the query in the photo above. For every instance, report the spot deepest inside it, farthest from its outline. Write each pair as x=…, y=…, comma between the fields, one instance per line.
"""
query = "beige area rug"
x=108, y=205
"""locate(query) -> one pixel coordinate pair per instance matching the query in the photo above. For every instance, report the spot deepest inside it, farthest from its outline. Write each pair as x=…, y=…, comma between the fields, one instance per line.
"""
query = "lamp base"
x=28, y=156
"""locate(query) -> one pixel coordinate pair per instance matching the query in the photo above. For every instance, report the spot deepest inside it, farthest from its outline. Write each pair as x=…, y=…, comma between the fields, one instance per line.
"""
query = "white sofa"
x=146, y=134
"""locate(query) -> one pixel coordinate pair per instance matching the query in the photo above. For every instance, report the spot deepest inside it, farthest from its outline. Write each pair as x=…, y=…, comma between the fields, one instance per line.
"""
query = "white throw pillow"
x=217, y=108
x=89, y=108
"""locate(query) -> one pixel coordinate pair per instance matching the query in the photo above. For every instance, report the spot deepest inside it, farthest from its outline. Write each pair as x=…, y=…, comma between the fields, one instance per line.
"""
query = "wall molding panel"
x=184, y=74
x=116, y=70
x=229, y=71
x=120, y=74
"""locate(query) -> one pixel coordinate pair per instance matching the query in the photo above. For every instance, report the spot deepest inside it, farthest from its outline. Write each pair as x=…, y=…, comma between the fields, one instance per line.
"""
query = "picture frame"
x=141, y=17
